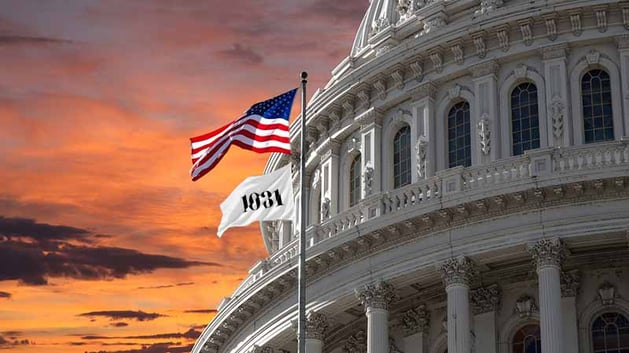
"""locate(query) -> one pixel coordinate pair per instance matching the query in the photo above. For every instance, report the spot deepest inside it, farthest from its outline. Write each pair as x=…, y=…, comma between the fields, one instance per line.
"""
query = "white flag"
x=259, y=198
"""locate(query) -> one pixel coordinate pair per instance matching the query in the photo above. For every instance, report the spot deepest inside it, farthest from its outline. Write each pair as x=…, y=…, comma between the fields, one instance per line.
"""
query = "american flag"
x=263, y=128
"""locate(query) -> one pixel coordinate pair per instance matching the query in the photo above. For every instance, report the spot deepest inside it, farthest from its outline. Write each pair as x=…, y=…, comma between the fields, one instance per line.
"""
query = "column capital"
x=459, y=270
x=356, y=343
x=485, y=299
x=570, y=283
x=548, y=253
x=376, y=296
x=316, y=324
x=416, y=320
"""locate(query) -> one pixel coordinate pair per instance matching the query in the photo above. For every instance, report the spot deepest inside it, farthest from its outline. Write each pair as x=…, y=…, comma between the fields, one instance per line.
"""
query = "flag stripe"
x=253, y=120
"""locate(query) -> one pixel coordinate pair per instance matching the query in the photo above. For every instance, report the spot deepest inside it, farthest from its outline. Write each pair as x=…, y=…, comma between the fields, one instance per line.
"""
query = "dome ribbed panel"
x=380, y=11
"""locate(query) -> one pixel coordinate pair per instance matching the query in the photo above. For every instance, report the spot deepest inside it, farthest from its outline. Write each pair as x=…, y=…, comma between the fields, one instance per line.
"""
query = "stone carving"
x=457, y=51
x=592, y=57
x=454, y=92
x=607, y=293
x=557, y=115
x=520, y=71
x=316, y=324
x=416, y=320
x=417, y=69
x=554, y=52
x=325, y=209
x=376, y=296
x=548, y=252
x=353, y=145
x=363, y=98
x=264, y=349
x=488, y=6
x=484, y=132
x=368, y=179
x=316, y=179
x=484, y=68
x=392, y=347
x=404, y=9
x=420, y=147
x=479, y=43
x=433, y=24
x=485, y=299
x=502, y=32
x=379, y=25
x=348, y=107
x=356, y=343
x=398, y=78
x=381, y=88
x=525, y=306
x=601, y=18
x=459, y=270
x=527, y=31
x=570, y=283
x=437, y=60
x=551, y=27
x=575, y=22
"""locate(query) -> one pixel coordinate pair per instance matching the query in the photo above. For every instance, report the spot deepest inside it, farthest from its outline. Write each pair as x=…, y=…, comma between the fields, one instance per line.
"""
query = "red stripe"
x=255, y=121
x=248, y=134
x=210, y=134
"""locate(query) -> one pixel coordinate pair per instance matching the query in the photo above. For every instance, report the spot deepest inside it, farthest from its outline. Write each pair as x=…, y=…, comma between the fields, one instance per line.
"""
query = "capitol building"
x=467, y=176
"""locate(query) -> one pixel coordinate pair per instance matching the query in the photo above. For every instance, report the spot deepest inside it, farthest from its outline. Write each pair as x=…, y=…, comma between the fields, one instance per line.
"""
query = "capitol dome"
x=467, y=173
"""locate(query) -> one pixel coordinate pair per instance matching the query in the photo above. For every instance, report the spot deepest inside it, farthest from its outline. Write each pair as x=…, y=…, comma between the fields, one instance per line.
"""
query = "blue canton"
x=275, y=108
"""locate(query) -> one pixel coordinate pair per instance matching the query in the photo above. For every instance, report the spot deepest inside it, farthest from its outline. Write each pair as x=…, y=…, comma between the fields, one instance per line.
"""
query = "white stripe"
x=197, y=169
x=237, y=123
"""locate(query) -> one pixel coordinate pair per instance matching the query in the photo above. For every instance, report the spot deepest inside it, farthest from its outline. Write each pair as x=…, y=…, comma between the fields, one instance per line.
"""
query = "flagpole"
x=302, y=223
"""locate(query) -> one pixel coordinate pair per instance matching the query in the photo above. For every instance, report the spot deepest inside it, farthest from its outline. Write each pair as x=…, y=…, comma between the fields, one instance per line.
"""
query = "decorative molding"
x=437, y=59
x=601, y=18
x=404, y=9
x=622, y=41
x=479, y=43
x=625, y=16
x=356, y=343
x=381, y=88
x=520, y=71
x=485, y=299
x=570, y=283
x=316, y=179
x=433, y=24
x=398, y=78
x=525, y=306
x=548, y=252
x=348, y=107
x=368, y=179
x=551, y=26
x=554, y=51
x=488, y=6
x=417, y=69
x=454, y=92
x=363, y=98
x=557, y=113
x=420, y=148
x=459, y=270
x=316, y=325
x=325, y=209
x=416, y=320
x=353, y=145
x=379, y=25
x=502, y=33
x=526, y=29
x=457, y=50
x=575, y=22
x=376, y=296
x=484, y=68
x=593, y=57
x=607, y=293
x=484, y=132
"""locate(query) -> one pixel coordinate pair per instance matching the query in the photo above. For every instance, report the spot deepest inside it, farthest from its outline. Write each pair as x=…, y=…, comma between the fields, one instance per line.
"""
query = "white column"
x=570, y=283
x=558, y=129
x=548, y=255
x=330, y=181
x=316, y=325
x=370, y=143
x=415, y=323
x=424, y=159
x=456, y=274
x=484, y=122
x=485, y=302
x=623, y=50
x=376, y=299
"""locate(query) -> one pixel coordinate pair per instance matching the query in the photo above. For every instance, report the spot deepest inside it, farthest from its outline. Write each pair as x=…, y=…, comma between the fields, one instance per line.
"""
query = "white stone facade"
x=463, y=259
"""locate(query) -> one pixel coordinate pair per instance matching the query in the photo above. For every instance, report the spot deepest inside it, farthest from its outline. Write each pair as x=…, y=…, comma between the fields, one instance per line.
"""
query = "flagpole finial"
x=304, y=75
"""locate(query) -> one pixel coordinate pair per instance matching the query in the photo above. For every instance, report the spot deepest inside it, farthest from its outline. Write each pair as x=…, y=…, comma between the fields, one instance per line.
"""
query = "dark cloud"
x=32, y=252
x=123, y=314
x=342, y=11
x=155, y=348
x=202, y=311
x=6, y=295
x=241, y=54
x=191, y=334
x=169, y=285
x=12, y=342
x=119, y=324
x=27, y=40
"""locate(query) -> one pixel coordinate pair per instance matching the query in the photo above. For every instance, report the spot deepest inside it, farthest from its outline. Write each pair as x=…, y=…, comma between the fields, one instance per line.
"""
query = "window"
x=354, y=181
x=596, y=97
x=610, y=334
x=524, y=118
x=402, y=157
x=527, y=340
x=459, y=140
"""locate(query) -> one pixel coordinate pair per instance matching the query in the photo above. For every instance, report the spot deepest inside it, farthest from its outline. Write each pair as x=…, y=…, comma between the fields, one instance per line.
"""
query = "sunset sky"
x=105, y=243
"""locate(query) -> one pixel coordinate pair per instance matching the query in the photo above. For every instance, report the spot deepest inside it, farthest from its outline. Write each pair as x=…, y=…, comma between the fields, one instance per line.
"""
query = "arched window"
x=354, y=181
x=596, y=96
x=524, y=118
x=527, y=340
x=402, y=157
x=610, y=334
x=459, y=140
